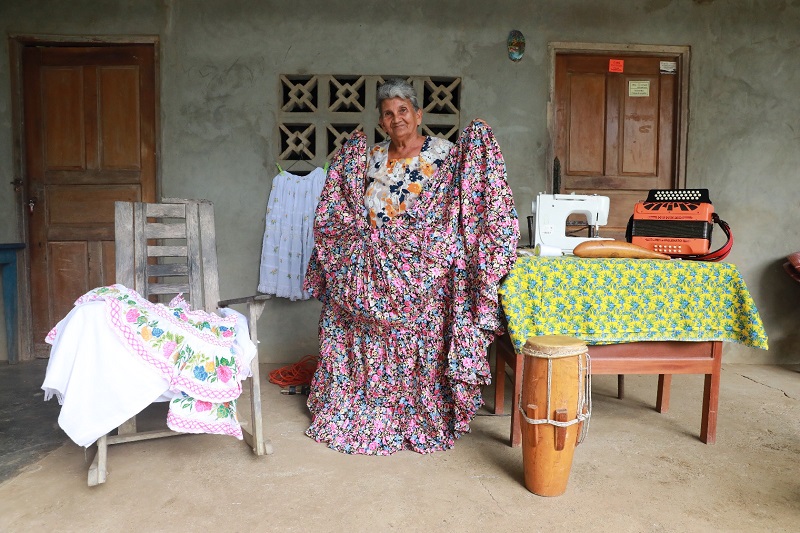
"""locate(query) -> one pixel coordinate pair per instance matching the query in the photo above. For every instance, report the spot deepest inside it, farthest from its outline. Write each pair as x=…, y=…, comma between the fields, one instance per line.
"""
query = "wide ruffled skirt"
x=383, y=388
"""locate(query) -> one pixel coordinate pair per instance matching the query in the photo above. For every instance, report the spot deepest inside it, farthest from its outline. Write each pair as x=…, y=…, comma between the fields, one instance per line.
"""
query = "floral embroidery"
x=192, y=349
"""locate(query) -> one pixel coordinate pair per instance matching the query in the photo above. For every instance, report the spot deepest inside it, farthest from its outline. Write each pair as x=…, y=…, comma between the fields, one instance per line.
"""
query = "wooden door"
x=616, y=128
x=90, y=139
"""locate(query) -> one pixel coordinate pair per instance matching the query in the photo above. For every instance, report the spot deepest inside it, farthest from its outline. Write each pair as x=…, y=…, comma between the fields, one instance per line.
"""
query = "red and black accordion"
x=678, y=223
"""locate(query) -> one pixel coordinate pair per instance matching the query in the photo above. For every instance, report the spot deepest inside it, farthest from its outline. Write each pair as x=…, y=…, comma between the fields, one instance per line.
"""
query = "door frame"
x=16, y=44
x=681, y=52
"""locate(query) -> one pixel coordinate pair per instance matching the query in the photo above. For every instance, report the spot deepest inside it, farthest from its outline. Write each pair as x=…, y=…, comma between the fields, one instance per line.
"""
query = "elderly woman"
x=412, y=237
x=400, y=167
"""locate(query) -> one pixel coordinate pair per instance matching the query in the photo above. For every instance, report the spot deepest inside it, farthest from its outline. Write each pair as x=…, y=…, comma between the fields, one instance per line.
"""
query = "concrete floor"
x=637, y=470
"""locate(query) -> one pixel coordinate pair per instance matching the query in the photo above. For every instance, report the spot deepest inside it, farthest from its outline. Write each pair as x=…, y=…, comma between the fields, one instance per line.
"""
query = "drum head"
x=554, y=346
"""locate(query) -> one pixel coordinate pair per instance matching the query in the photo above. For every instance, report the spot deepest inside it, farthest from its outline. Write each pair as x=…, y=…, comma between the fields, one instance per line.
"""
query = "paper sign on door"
x=639, y=88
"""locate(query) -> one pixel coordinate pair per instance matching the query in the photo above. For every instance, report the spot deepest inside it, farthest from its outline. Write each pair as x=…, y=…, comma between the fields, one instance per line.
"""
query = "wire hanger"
x=304, y=159
x=295, y=161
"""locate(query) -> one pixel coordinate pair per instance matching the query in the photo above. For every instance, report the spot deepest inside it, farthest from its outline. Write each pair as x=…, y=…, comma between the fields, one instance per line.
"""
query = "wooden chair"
x=157, y=244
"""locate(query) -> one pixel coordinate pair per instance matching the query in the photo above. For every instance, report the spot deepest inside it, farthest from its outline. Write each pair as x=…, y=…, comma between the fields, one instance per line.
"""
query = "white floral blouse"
x=394, y=184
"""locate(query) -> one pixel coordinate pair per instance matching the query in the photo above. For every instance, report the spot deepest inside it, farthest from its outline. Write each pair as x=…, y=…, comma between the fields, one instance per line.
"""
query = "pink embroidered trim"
x=178, y=383
x=199, y=392
x=183, y=425
x=165, y=313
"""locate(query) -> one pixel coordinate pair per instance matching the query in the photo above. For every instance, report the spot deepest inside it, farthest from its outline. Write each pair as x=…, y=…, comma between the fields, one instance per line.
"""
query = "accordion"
x=678, y=223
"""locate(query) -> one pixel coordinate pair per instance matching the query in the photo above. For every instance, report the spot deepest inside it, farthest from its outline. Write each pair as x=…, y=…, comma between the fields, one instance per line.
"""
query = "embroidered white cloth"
x=115, y=353
x=289, y=234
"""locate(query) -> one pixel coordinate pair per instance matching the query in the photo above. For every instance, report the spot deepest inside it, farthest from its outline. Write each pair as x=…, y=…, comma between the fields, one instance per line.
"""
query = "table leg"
x=708, y=426
x=620, y=386
x=662, y=396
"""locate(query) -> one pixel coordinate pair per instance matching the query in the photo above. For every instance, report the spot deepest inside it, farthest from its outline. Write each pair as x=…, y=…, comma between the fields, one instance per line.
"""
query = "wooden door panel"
x=90, y=121
x=41, y=304
x=86, y=205
x=587, y=125
x=69, y=273
x=93, y=176
x=101, y=263
x=96, y=264
x=85, y=213
x=91, y=233
x=613, y=143
x=612, y=183
x=668, y=129
x=64, y=128
x=106, y=262
x=75, y=268
x=119, y=118
x=639, y=148
x=615, y=133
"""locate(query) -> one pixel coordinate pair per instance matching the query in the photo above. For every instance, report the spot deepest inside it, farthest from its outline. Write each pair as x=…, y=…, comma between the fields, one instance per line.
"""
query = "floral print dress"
x=409, y=305
x=395, y=184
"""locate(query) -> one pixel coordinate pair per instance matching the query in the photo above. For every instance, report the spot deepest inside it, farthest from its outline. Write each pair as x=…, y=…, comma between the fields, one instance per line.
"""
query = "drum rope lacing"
x=584, y=393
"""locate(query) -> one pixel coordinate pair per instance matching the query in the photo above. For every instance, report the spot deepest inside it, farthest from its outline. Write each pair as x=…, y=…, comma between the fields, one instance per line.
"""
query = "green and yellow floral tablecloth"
x=605, y=301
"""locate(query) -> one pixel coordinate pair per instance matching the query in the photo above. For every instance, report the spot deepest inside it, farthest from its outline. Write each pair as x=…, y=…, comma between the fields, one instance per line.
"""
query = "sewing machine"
x=553, y=210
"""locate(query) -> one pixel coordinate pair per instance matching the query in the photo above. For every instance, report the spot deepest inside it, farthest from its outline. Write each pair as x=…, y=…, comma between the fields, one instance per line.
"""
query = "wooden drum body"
x=555, y=405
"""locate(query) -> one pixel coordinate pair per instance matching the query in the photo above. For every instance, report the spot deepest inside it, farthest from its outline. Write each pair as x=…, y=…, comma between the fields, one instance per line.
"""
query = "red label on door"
x=616, y=65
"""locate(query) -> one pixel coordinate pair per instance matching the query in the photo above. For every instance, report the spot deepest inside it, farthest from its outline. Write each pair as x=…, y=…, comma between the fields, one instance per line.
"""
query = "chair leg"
x=260, y=445
x=97, y=471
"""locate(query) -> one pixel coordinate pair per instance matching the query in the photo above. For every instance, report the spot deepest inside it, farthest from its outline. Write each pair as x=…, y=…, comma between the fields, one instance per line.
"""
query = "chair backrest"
x=168, y=249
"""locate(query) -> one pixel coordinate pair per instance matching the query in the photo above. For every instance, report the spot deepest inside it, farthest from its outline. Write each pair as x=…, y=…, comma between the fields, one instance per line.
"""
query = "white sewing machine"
x=552, y=211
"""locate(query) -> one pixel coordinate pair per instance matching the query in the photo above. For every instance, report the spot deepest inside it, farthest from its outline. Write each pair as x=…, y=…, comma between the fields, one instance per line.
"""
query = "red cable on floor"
x=299, y=373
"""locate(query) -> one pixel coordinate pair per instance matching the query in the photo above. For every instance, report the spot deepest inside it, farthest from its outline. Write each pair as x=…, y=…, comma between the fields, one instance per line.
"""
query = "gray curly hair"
x=397, y=88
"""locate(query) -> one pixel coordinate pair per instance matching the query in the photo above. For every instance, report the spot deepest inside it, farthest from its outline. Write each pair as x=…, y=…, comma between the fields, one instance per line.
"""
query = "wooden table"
x=638, y=316
x=647, y=357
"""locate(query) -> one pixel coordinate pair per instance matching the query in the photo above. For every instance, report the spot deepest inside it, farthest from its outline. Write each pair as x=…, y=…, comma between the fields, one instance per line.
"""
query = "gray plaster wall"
x=220, y=62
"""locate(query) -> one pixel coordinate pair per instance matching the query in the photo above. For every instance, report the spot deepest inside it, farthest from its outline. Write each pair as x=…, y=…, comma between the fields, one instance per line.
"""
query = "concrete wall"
x=220, y=62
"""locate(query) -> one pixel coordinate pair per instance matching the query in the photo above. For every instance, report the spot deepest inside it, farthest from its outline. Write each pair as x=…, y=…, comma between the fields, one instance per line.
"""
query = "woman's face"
x=398, y=118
